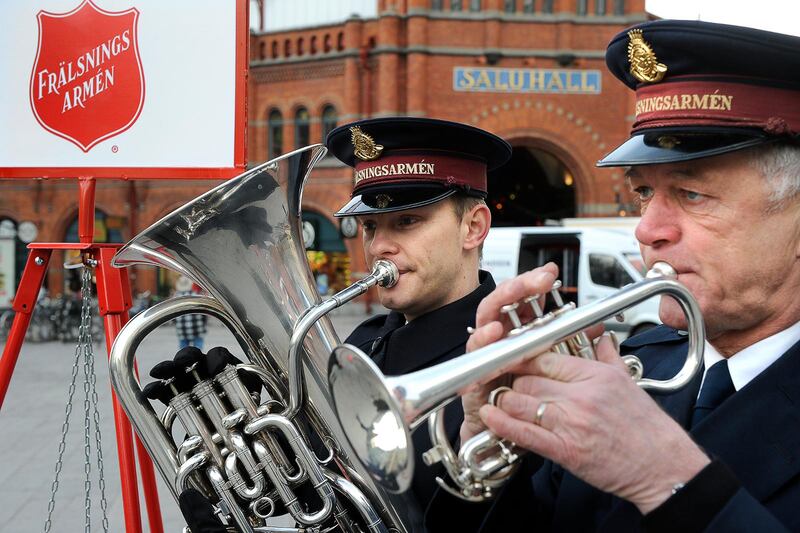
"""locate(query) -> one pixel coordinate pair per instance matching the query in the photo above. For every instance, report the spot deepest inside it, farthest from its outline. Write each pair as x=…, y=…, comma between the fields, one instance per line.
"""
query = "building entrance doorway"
x=532, y=188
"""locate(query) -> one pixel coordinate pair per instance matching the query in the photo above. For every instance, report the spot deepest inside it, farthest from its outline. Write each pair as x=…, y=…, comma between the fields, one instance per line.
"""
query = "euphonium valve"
x=377, y=412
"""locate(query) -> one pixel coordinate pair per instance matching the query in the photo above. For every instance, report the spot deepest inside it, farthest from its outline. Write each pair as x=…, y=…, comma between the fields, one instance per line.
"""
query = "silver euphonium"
x=252, y=455
x=378, y=412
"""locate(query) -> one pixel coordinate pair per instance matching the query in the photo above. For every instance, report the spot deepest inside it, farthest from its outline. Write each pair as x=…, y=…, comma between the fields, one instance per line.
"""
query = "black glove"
x=199, y=513
x=172, y=374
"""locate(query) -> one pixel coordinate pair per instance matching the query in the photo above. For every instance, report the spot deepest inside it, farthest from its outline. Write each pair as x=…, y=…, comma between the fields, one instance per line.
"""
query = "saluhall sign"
x=123, y=88
x=527, y=80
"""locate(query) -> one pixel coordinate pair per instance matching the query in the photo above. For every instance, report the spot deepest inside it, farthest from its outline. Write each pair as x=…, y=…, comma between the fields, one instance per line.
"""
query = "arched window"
x=547, y=6
x=474, y=5
x=287, y=48
x=302, y=120
x=599, y=7
x=528, y=6
x=340, y=41
x=326, y=43
x=619, y=7
x=312, y=45
x=456, y=5
x=274, y=134
x=509, y=6
x=329, y=119
x=300, y=48
x=262, y=50
x=581, y=10
x=274, y=49
x=436, y=5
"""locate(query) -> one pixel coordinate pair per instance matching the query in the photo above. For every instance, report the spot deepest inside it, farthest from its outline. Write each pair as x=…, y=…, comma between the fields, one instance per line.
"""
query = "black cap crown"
x=407, y=162
x=704, y=89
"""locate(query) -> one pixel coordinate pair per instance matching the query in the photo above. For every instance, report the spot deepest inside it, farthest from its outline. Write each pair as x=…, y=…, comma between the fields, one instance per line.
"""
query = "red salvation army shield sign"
x=87, y=82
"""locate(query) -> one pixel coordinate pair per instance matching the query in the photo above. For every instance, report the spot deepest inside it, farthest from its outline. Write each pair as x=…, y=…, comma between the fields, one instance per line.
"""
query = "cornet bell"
x=377, y=430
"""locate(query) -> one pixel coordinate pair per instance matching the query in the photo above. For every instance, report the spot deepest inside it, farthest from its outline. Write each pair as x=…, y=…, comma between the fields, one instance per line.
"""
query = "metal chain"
x=90, y=402
x=86, y=325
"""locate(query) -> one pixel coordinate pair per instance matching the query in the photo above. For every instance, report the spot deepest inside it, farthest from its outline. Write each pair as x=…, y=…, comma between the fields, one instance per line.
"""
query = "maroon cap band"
x=710, y=103
x=397, y=169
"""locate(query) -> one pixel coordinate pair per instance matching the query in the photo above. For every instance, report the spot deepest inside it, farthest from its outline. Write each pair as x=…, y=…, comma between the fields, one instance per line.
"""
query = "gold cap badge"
x=365, y=147
x=644, y=65
x=382, y=201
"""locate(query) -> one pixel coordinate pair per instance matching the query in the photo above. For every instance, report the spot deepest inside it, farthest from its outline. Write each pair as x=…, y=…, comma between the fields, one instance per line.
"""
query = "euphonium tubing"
x=378, y=412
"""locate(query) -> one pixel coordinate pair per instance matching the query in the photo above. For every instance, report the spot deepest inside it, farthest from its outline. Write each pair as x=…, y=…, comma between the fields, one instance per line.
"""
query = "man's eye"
x=693, y=196
x=368, y=226
x=406, y=221
x=643, y=192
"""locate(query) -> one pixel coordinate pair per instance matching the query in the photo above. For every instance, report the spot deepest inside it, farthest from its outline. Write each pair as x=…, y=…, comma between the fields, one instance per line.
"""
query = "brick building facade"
x=531, y=71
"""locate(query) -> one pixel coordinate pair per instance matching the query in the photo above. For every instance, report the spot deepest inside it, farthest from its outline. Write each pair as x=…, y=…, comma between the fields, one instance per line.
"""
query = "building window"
x=510, y=6
x=326, y=43
x=274, y=47
x=340, y=41
x=599, y=7
x=287, y=48
x=329, y=119
x=619, y=7
x=312, y=45
x=436, y=5
x=300, y=47
x=528, y=6
x=302, y=120
x=581, y=7
x=456, y=5
x=474, y=5
x=275, y=134
x=547, y=6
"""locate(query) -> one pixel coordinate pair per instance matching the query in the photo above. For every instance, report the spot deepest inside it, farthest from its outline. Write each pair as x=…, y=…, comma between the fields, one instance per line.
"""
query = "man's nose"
x=382, y=244
x=659, y=224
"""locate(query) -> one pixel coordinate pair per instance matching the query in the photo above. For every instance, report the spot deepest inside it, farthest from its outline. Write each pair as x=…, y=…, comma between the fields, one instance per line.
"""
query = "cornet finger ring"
x=494, y=396
x=540, y=413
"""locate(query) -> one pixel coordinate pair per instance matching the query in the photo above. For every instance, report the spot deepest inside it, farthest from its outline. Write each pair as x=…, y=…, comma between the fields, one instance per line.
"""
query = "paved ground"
x=30, y=430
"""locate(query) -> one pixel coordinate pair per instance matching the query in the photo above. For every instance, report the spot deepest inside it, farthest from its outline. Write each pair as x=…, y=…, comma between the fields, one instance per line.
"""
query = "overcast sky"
x=782, y=16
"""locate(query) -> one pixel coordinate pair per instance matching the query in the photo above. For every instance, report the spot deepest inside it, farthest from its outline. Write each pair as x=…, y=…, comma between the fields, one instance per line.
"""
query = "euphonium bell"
x=377, y=412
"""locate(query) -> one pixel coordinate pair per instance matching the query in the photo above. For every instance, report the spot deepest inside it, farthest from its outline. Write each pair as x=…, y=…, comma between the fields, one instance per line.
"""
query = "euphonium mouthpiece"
x=386, y=272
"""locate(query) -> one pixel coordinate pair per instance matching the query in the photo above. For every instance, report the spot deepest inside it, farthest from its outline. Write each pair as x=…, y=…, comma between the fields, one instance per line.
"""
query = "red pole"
x=114, y=298
x=24, y=303
x=86, y=187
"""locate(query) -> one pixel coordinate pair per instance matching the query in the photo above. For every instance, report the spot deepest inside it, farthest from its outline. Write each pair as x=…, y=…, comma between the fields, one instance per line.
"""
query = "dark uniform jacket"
x=430, y=339
x=755, y=432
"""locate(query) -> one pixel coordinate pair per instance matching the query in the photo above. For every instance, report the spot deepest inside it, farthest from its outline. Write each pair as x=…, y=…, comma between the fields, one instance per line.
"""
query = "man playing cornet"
x=715, y=164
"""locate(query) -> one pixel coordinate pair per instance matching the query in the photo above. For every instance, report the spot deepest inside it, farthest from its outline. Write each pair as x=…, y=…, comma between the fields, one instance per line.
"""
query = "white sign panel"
x=7, y=281
x=120, y=83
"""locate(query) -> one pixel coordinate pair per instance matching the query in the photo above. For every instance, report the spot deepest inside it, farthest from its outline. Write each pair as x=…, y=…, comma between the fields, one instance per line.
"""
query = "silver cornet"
x=377, y=412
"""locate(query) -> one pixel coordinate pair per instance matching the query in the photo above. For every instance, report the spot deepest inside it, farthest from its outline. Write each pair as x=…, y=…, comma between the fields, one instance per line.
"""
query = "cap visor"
x=649, y=148
x=357, y=205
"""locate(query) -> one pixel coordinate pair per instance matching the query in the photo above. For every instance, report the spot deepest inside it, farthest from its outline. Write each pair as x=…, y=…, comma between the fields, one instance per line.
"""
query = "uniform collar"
x=750, y=362
x=429, y=336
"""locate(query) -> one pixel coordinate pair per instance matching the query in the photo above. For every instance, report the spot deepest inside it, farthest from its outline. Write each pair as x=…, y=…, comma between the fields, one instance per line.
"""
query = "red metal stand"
x=114, y=299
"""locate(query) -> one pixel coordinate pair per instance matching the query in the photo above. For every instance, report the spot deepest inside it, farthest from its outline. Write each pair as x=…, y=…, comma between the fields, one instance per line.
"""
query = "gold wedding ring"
x=540, y=413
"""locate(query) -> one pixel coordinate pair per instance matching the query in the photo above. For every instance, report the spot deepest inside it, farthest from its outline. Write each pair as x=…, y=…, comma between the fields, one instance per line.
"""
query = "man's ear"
x=476, y=223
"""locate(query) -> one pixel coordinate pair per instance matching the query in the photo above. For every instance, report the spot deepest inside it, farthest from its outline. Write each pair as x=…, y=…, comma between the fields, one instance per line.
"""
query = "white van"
x=593, y=262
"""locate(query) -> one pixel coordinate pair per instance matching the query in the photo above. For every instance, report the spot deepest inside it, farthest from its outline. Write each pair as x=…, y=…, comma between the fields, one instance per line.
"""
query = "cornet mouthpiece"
x=661, y=269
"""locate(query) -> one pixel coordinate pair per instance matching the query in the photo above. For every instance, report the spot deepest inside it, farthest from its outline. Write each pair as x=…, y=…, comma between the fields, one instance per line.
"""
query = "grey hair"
x=779, y=164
